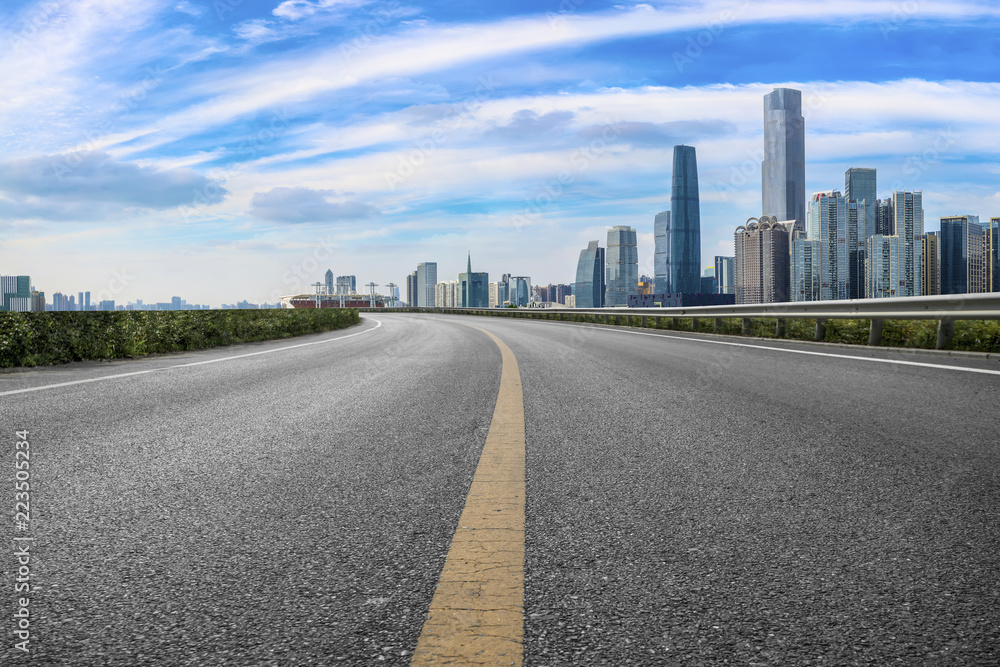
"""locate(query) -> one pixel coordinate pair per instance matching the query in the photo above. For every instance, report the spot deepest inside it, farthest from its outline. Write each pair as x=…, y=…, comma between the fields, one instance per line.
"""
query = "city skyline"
x=239, y=150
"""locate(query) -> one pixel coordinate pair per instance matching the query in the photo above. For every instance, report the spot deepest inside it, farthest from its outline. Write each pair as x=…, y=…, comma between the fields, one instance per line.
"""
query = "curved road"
x=686, y=501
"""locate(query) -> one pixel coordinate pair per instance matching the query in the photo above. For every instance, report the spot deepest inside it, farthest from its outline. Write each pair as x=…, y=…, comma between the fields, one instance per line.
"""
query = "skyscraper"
x=411, y=290
x=661, y=253
x=724, y=274
x=475, y=288
x=427, y=275
x=623, y=266
x=837, y=223
x=589, y=287
x=347, y=285
x=908, y=210
x=15, y=294
x=885, y=219
x=993, y=253
x=328, y=281
x=806, y=265
x=860, y=185
x=930, y=264
x=883, y=267
x=783, y=172
x=761, y=262
x=685, y=224
x=964, y=260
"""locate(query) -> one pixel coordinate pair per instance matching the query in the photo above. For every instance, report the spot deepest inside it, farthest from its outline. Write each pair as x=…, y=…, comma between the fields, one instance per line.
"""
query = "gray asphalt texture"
x=687, y=503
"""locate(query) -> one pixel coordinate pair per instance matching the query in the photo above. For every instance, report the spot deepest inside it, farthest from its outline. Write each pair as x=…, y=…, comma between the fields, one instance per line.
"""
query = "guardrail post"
x=694, y=324
x=779, y=328
x=746, y=326
x=945, y=332
x=673, y=323
x=820, y=330
x=875, y=333
x=642, y=322
x=717, y=325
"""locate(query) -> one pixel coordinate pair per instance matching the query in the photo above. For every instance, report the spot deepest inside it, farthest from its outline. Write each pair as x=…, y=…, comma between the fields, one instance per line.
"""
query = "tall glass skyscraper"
x=783, y=172
x=685, y=224
x=661, y=254
x=623, y=266
x=908, y=209
x=427, y=277
x=589, y=287
x=964, y=259
x=475, y=288
x=860, y=185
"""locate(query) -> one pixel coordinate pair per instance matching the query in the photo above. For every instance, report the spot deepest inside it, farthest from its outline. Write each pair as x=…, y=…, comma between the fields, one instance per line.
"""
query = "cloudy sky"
x=221, y=150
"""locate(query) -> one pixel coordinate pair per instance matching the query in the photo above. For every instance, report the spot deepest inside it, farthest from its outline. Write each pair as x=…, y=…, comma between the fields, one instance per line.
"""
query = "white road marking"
x=193, y=363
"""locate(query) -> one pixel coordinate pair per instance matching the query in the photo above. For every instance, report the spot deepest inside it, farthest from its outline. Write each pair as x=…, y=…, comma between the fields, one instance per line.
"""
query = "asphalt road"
x=688, y=502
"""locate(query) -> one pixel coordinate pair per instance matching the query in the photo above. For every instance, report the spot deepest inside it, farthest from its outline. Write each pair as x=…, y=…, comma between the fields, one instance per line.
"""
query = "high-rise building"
x=623, y=266
x=411, y=289
x=783, y=172
x=646, y=285
x=964, y=257
x=503, y=289
x=908, y=210
x=885, y=219
x=520, y=290
x=427, y=273
x=37, y=301
x=993, y=253
x=493, y=302
x=930, y=264
x=836, y=223
x=589, y=287
x=79, y=301
x=761, y=261
x=724, y=274
x=15, y=294
x=86, y=301
x=860, y=185
x=475, y=288
x=806, y=265
x=347, y=285
x=328, y=281
x=884, y=267
x=685, y=224
x=661, y=253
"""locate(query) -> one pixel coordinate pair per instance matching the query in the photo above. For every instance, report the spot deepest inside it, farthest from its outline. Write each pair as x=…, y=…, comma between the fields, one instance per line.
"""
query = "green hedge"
x=40, y=339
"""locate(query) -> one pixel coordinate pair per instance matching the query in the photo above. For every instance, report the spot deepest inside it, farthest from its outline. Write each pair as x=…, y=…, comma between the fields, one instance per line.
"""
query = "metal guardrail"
x=946, y=309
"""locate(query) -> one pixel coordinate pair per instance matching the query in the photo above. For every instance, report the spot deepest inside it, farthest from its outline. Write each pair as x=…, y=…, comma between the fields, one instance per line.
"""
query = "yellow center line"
x=477, y=614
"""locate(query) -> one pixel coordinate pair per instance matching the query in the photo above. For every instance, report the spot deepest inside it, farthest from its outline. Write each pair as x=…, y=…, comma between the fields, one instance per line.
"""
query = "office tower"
x=37, y=301
x=493, y=302
x=838, y=223
x=519, y=289
x=783, y=172
x=175, y=303
x=328, y=281
x=884, y=267
x=86, y=300
x=589, y=287
x=474, y=288
x=930, y=264
x=964, y=260
x=806, y=265
x=885, y=219
x=503, y=289
x=79, y=300
x=411, y=289
x=15, y=294
x=347, y=285
x=993, y=252
x=661, y=253
x=860, y=185
x=908, y=224
x=562, y=291
x=708, y=285
x=646, y=284
x=427, y=274
x=623, y=266
x=685, y=224
x=724, y=274
x=761, y=263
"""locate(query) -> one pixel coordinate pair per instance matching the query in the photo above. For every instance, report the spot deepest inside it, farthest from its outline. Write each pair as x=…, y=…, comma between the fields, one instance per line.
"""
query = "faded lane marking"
x=477, y=614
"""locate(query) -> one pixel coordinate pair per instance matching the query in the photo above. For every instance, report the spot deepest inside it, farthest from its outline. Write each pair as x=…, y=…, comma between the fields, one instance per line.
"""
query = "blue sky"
x=225, y=149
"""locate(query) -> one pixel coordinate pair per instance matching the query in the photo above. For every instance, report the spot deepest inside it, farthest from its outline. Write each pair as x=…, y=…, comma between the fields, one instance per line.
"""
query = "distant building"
x=570, y=301
x=494, y=294
x=646, y=285
x=930, y=264
x=838, y=223
x=474, y=287
x=15, y=293
x=783, y=172
x=426, y=282
x=346, y=285
x=448, y=294
x=661, y=253
x=908, y=224
x=806, y=264
x=885, y=219
x=590, y=276
x=993, y=252
x=685, y=223
x=520, y=290
x=38, y=301
x=964, y=257
x=860, y=185
x=623, y=266
x=328, y=281
x=884, y=271
x=411, y=289
x=761, y=262
x=724, y=274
